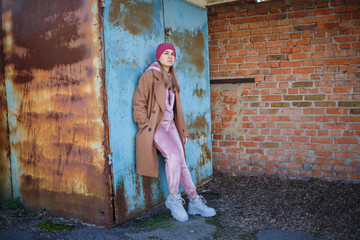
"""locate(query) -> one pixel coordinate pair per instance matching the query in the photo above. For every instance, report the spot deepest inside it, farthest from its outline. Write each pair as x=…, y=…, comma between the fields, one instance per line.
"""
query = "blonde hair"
x=170, y=84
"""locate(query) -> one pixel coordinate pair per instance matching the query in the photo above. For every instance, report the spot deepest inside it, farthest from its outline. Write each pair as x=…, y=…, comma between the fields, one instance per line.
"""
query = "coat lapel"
x=159, y=90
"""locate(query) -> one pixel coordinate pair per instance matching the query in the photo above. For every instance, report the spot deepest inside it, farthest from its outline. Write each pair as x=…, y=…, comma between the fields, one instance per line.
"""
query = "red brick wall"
x=301, y=118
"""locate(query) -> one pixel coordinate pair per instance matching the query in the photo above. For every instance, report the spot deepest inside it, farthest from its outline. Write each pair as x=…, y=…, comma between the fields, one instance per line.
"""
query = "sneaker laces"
x=179, y=202
x=202, y=200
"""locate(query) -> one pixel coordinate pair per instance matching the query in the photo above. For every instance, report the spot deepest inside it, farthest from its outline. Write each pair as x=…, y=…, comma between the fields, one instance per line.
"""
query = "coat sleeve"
x=186, y=133
x=140, y=101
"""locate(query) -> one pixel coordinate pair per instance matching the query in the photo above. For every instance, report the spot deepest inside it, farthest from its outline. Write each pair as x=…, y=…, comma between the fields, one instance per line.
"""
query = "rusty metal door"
x=133, y=29
x=5, y=164
x=55, y=101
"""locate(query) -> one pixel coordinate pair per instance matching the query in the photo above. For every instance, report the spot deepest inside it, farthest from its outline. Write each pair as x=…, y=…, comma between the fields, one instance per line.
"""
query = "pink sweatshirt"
x=170, y=96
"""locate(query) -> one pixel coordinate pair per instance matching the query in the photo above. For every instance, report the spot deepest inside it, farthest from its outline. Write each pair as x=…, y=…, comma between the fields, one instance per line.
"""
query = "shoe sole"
x=195, y=212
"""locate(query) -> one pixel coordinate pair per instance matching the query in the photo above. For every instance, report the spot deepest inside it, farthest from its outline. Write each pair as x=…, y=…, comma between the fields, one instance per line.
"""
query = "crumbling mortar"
x=235, y=129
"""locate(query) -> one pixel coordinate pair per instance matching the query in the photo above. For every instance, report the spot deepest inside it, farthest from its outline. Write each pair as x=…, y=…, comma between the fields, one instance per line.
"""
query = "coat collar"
x=157, y=74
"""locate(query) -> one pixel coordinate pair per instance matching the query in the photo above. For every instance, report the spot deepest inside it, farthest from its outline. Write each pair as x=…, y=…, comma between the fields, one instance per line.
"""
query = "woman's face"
x=167, y=58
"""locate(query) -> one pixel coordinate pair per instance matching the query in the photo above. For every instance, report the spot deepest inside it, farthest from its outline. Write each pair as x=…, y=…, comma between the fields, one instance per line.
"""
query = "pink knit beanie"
x=162, y=48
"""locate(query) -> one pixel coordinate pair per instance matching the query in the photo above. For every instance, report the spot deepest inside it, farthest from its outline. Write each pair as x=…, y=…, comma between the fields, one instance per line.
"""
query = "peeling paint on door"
x=54, y=86
x=192, y=45
x=198, y=92
x=133, y=30
x=198, y=127
x=5, y=165
x=189, y=31
x=132, y=16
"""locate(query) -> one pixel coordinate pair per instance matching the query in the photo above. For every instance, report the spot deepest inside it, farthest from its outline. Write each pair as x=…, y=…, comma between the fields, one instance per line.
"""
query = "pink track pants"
x=167, y=141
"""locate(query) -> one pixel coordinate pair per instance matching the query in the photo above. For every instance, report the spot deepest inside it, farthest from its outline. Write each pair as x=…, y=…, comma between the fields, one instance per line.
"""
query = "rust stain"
x=197, y=176
x=147, y=189
x=56, y=39
x=57, y=117
x=143, y=186
x=124, y=62
x=198, y=92
x=199, y=130
x=137, y=186
x=198, y=127
x=66, y=204
x=5, y=166
x=121, y=205
x=205, y=155
x=62, y=79
x=133, y=16
x=192, y=45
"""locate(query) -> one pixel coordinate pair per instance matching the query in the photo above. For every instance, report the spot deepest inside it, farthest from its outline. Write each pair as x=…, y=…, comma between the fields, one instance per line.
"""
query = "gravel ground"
x=245, y=206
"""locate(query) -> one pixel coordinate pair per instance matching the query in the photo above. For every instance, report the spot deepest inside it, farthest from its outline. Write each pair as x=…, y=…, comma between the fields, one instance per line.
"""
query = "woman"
x=158, y=113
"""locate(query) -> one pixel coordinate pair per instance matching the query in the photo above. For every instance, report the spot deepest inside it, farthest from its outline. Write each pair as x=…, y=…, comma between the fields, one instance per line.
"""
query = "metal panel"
x=56, y=107
x=189, y=35
x=5, y=170
x=133, y=29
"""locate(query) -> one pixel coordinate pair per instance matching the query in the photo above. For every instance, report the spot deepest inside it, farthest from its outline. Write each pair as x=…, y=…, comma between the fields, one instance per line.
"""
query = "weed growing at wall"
x=14, y=205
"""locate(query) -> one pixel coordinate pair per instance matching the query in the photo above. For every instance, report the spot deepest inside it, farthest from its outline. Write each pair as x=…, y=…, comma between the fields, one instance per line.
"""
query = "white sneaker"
x=198, y=206
x=175, y=204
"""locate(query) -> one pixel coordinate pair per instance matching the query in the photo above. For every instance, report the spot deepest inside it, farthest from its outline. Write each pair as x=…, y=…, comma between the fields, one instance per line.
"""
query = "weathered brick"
x=217, y=149
x=322, y=4
x=315, y=97
x=303, y=70
x=355, y=111
x=302, y=84
x=269, y=145
x=224, y=162
x=298, y=14
x=276, y=57
x=299, y=56
x=290, y=64
x=281, y=71
x=338, y=111
x=330, y=25
x=280, y=104
x=349, y=104
x=325, y=104
x=276, y=16
x=301, y=104
x=346, y=154
x=309, y=59
x=347, y=9
x=305, y=27
x=293, y=97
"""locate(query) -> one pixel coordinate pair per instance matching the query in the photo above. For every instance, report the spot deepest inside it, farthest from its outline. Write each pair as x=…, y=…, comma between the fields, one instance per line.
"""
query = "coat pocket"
x=143, y=124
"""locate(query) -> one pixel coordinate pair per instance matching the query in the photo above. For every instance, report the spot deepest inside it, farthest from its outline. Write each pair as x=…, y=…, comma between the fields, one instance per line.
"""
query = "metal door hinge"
x=110, y=159
x=168, y=32
x=102, y=3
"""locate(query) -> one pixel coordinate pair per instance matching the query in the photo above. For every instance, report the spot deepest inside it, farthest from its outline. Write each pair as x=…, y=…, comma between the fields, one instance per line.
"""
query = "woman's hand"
x=185, y=140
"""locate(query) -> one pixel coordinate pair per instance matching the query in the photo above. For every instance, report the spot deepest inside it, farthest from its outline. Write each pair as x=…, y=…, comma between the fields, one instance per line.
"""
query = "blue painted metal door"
x=187, y=25
x=133, y=29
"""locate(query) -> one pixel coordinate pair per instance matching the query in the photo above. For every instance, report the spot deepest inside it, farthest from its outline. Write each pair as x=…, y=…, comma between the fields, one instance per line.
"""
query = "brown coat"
x=149, y=108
